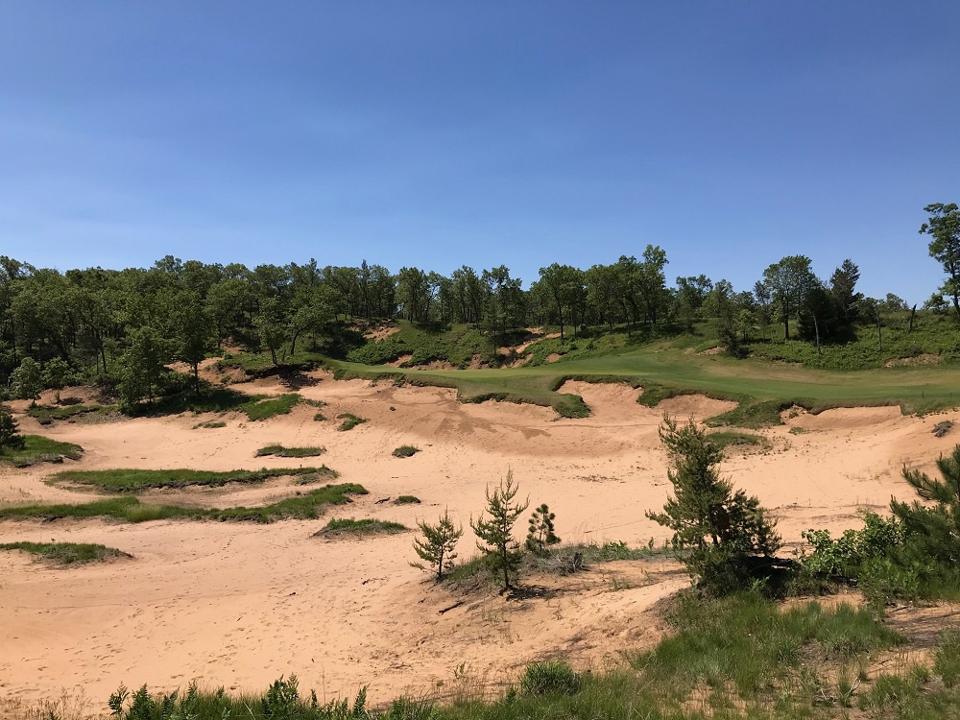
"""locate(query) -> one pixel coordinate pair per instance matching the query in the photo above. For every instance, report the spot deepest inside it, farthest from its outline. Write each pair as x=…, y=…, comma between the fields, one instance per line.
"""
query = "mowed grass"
x=38, y=449
x=279, y=450
x=66, y=553
x=306, y=506
x=761, y=388
x=133, y=481
x=350, y=527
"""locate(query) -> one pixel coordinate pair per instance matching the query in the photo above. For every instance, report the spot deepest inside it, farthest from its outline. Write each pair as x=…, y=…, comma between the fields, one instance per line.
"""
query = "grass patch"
x=46, y=414
x=210, y=425
x=405, y=451
x=262, y=409
x=350, y=527
x=306, y=506
x=350, y=421
x=407, y=500
x=133, y=481
x=38, y=449
x=67, y=553
x=290, y=452
x=319, y=417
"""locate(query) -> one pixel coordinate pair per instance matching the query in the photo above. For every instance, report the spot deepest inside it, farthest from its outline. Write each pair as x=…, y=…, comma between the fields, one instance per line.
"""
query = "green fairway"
x=758, y=385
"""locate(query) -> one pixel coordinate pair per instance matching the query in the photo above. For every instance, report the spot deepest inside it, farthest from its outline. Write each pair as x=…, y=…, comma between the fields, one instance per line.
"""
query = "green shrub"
x=407, y=500
x=405, y=451
x=552, y=677
x=350, y=421
x=946, y=660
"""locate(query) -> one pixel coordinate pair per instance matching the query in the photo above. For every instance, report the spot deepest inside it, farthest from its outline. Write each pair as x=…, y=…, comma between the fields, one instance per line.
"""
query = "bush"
x=553, y=677
x=405, y=451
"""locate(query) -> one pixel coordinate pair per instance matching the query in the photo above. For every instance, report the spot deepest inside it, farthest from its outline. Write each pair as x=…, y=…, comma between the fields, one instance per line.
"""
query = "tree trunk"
x=913, y=315
x=816, y=329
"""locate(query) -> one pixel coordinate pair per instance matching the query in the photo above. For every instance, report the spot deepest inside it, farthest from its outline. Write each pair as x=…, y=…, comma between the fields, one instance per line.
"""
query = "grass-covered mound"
x=350, y=527
x=132, y=480
x=46, y=414
x=65, y=553
x=279, y=450
x=37, y=449
x=457, y=345
x=306, y=506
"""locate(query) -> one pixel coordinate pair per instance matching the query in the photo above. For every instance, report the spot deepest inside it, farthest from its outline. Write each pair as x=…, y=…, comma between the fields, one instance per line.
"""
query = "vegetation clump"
x=135, y=480
x=350, y=421
x=341, y=527
x=290, y=452
x=65, y=553
x=406, y=500
x=267, y=408
x=33, y=449
x=405, y=451
x=306, y=506
x=541, y=531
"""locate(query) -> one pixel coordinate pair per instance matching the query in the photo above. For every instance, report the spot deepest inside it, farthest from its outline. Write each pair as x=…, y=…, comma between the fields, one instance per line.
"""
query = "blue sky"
x=437, y=134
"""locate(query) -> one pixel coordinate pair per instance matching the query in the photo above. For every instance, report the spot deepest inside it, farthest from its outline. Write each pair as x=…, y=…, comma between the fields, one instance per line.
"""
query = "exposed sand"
x=240, y=604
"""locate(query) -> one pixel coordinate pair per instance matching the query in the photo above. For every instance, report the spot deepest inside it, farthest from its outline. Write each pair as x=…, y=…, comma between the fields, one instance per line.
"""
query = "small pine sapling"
x=540, y=533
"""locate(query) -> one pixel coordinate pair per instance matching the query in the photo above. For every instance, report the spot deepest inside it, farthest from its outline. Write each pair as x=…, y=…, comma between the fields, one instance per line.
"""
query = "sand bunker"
x=240, y=604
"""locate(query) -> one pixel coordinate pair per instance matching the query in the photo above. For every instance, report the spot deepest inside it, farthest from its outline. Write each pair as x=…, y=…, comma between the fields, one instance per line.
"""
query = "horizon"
x=442, y=136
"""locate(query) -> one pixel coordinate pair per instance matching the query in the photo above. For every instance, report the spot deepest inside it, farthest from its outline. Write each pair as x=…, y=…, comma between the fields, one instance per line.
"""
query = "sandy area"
x=240, y=604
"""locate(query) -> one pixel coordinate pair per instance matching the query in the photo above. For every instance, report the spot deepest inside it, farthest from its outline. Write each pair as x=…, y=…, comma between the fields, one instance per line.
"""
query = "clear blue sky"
x=729, y=132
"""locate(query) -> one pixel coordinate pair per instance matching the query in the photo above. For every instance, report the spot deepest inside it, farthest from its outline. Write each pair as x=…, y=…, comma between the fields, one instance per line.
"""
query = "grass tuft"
x=405, y=451
x=350, y=421
x=349, y=527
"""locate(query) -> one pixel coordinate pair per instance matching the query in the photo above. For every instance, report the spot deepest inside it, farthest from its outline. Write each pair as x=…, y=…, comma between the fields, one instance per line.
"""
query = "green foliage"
x=263, y=409
x=746, y=642
x=734, y=438
x=306, y=506
x=296, y=452
x=405, y=451
x=45, y=415
x=26, y=381
x=350, y=421
x=540, y=532
x=143, y=367
x=33, y=449
x=406, y=500
x=502, y=554
x=553, y=677
x=135, y=480
x=457, y=345
x=10, y=437
x=946, y=659
x=719, y=533
x=357, y=528
x=61, y=553
x=438, y=545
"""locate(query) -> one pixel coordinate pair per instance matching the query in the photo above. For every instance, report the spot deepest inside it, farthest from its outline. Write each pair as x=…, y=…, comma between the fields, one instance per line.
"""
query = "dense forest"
x=120, y=328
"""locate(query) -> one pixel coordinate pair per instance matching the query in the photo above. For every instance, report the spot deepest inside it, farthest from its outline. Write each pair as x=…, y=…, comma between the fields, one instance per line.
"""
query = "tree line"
x=120, y=326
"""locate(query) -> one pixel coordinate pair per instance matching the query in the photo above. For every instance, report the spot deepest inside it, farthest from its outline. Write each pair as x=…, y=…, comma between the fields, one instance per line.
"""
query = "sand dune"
x=239, y=604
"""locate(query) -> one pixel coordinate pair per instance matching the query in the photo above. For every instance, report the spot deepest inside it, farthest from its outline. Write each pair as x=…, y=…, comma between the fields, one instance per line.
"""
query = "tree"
x=788, y=281
x=26, y=382
x=541, y=531
x=943, y=227
x=270, y=325
x=439, y=543
x=143, y=366
x=497, y=545
x=559, y=287
x=720, y=533
x=843, y=289
x=193, y=333
x=10, y=436
x=56, y=373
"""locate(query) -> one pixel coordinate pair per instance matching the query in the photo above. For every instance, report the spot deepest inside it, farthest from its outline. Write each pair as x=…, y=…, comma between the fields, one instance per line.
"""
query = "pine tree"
x=716, y=530
x=933, y=531
x=540, y=533
x=438, y=546
x=10, y=436
x=495, y=532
